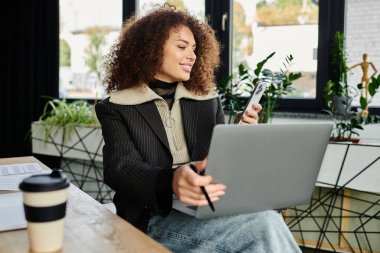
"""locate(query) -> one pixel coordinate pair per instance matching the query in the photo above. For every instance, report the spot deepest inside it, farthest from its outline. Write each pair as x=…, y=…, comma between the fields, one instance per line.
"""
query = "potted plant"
x=68, y=130
x=337, y=88
x=233, y=87
x=339, y=96
x=72, y=132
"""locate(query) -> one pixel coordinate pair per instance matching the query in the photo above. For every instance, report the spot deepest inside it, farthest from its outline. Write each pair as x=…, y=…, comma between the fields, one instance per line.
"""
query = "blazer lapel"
x=150, y=113
x=189, y=110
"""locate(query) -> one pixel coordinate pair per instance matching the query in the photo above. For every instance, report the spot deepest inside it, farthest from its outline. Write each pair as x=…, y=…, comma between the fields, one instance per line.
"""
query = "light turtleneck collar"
x=142, y=94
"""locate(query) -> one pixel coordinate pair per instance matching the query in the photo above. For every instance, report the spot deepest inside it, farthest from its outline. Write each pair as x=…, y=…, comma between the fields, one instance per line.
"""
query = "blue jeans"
x=264, y=232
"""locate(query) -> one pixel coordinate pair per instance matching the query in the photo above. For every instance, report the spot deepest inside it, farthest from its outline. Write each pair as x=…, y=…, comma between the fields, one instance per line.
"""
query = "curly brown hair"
x=138, y=54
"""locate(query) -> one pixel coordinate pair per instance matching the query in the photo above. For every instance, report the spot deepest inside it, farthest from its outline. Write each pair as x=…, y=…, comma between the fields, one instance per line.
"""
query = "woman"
x=159, y=117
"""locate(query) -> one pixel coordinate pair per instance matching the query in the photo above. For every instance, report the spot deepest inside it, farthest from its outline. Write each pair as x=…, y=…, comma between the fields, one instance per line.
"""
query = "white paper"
x=19, y=168
x=11, y=175
x=11, y=211
x=11, y=204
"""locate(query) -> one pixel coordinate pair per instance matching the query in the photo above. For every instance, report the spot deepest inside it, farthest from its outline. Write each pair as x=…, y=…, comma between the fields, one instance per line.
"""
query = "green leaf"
x=242, y=69
x=372, y=88
x=375, y=81
x=294, y=76
x=354, y=122
x=363, y=102
x=261, y=64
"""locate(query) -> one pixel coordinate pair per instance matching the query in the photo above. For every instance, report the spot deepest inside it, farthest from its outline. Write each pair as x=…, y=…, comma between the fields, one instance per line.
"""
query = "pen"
x=192, y=166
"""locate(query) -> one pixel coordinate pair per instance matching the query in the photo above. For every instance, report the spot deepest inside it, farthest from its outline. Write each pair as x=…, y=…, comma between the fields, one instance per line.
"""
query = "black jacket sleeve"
x=220, y=113
x=124, y=169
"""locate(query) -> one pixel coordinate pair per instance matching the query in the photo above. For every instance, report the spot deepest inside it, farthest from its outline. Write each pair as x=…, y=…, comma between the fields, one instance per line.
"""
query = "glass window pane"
x=261, y=27
x=362, y=36
x=88, y=28
x=195, y=7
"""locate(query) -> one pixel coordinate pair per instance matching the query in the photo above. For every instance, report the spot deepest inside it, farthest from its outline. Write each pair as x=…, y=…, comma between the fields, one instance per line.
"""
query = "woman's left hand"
x=251, y=115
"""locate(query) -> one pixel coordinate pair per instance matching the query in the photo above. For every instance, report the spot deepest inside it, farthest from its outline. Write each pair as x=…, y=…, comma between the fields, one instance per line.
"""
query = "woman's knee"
x=268, y=224
x=269, y=218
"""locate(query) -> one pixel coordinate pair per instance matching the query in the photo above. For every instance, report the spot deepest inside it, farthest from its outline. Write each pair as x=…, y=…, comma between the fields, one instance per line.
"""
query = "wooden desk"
x=89, y=227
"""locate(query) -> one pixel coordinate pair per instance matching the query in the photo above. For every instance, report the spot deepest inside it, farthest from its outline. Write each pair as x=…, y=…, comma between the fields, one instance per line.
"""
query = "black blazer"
x=136, y=155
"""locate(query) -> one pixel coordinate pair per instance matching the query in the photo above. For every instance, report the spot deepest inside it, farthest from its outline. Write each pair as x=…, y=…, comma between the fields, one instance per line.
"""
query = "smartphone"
x=256, y=95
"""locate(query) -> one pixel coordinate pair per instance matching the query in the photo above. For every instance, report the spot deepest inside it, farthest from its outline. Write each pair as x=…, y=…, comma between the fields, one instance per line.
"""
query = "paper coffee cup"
x=45, y=198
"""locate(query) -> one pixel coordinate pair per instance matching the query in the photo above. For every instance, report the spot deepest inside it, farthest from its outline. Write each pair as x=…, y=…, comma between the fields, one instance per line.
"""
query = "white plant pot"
x=84, y=143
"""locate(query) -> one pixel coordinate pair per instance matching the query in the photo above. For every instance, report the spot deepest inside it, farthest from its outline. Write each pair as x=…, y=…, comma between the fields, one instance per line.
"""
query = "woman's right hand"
x=186, y=186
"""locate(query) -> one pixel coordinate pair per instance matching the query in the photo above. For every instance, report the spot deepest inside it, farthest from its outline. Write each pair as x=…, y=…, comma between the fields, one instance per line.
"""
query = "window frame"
x=215, y=9
x=330, y=19
x=129, y=8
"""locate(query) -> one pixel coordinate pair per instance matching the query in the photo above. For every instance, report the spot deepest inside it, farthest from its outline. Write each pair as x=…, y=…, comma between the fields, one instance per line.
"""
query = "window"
x=87, y=30
x=362, y=36
x=284, y=27
x=244, y=27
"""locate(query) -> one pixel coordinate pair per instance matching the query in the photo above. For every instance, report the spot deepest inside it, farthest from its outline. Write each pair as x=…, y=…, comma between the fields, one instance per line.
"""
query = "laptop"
x=265, y=167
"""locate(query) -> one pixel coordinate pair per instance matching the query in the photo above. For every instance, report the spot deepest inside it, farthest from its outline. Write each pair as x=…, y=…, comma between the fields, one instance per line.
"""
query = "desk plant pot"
x=71, y=131
x=78, y=142
x=68, y=130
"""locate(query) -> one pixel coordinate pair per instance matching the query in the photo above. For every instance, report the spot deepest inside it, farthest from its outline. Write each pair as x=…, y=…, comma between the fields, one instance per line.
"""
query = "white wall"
x=362, y=30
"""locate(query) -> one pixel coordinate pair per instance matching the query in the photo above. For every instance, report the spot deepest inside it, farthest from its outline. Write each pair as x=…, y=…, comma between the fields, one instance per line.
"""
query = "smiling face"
x=179, y=56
